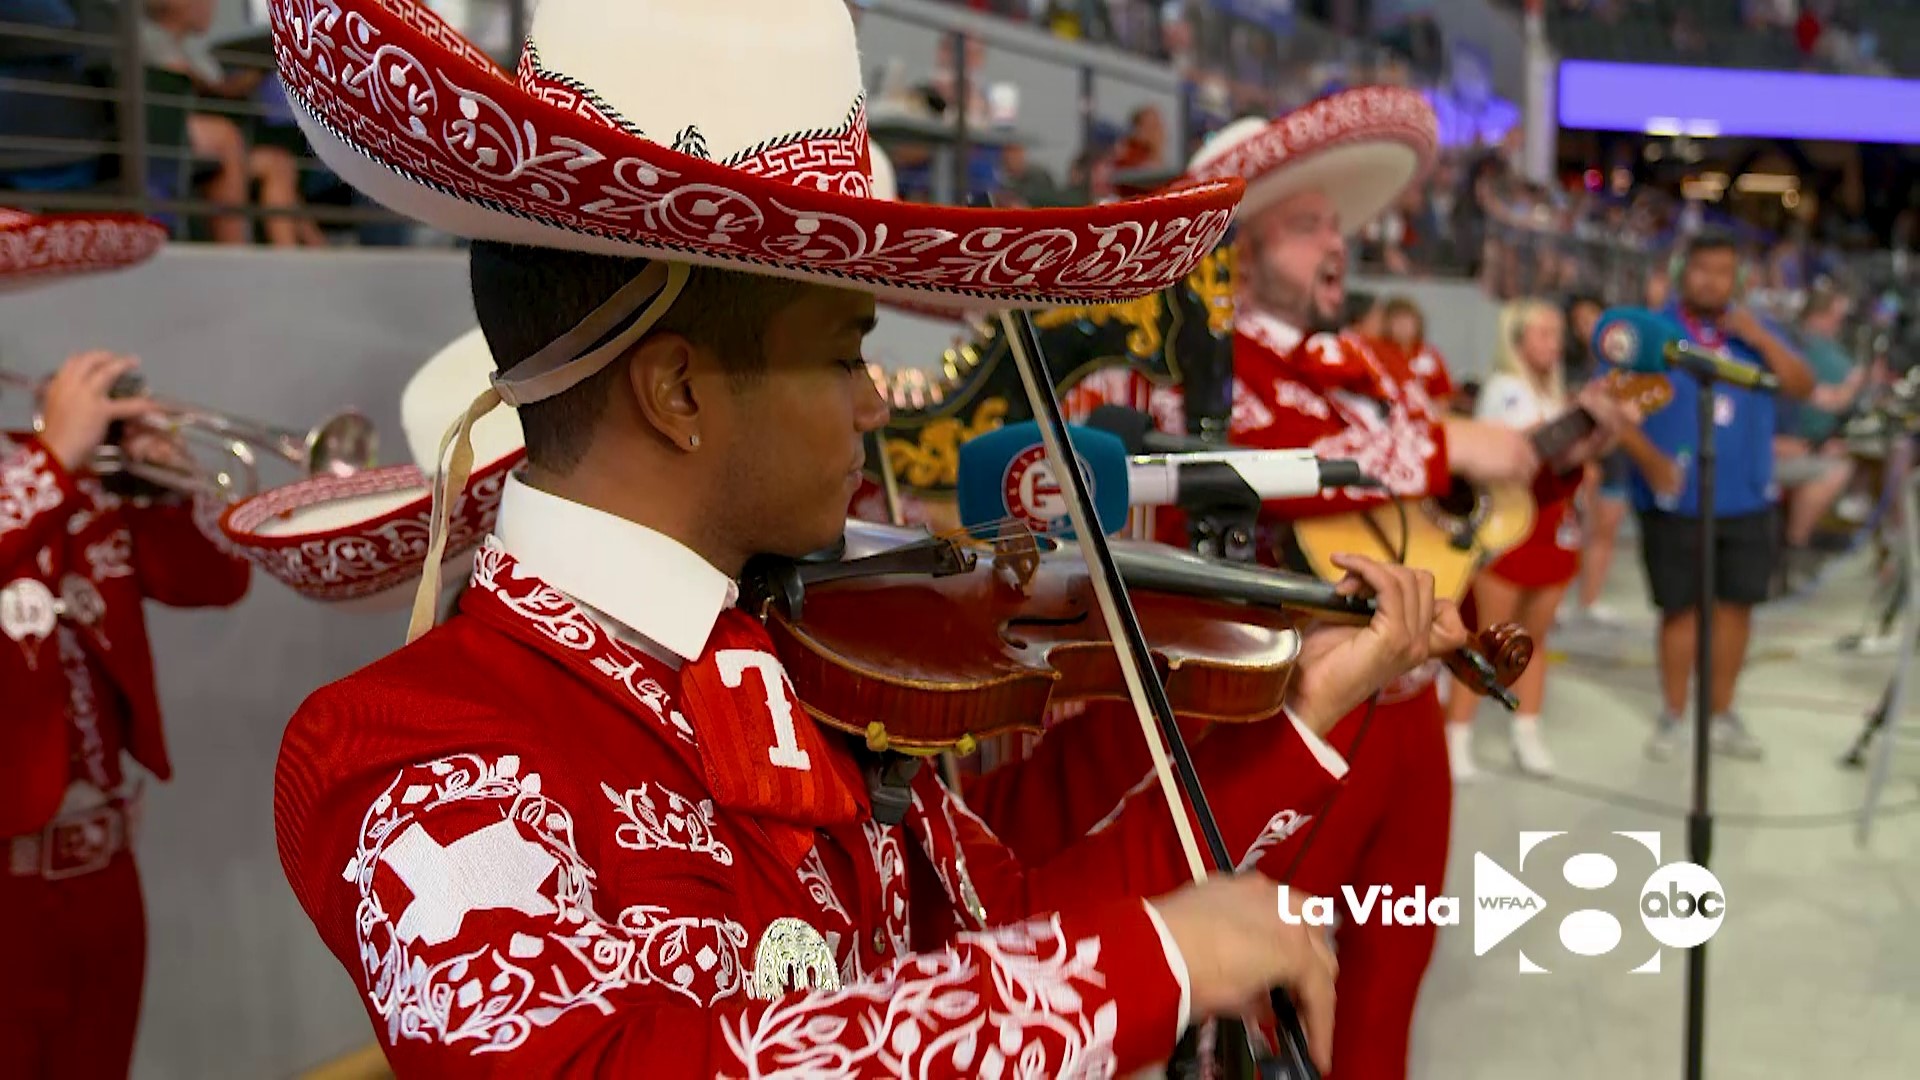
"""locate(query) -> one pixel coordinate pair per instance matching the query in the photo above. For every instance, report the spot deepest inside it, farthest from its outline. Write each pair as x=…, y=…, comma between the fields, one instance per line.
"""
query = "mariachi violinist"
x=583, y=827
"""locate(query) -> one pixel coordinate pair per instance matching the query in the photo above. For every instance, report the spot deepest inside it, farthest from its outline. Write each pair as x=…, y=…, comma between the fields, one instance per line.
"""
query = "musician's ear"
x=660, y=382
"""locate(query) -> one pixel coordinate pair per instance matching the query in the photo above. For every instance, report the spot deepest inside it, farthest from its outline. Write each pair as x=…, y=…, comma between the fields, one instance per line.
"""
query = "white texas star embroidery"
x=487, y=870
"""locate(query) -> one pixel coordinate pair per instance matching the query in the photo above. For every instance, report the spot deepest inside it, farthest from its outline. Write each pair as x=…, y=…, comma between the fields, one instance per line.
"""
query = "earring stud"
x=693, y=442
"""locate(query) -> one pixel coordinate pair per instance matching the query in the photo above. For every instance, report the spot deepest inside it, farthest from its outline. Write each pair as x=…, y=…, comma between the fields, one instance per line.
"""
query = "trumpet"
x=340, y=445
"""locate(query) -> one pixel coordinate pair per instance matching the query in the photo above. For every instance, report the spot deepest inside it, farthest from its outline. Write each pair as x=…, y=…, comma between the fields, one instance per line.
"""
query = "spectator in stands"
x=1708, y=271
x=1812, y=468
x=1146, y=143
x=1524, y=585
x=1604, y=497
x=1025, y=183
x=172, y=39
x=1405, y=326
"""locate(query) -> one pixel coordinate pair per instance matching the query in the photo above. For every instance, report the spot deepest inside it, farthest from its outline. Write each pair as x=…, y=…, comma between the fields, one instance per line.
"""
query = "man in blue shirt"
x=1746, y=534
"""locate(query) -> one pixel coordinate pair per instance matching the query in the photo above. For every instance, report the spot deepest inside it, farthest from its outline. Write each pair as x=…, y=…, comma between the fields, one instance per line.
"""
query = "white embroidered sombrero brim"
x=361, y=540
x=729, y=134
x=38, y=249
x=1362, y=147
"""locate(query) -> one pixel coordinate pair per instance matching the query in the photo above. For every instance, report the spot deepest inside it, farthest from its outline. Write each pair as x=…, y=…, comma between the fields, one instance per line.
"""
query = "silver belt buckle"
x=79, y=845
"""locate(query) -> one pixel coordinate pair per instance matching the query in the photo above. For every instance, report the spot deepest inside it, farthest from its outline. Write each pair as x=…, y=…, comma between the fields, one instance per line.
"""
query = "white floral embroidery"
x=1292, y=395
x=813, y=874
x=28, y=488
x=82, y=708
x=890, y=863
x=686, y=826
x=493, y=994
x=1275, y=832
x=111, y=557
x=74, y=245
x=566, y=623
x=925, y=1015
x=387, y=552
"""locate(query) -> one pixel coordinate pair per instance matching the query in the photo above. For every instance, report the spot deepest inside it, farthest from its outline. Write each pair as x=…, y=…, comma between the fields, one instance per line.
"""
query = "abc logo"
x=1682, y=905
x=1608, y=901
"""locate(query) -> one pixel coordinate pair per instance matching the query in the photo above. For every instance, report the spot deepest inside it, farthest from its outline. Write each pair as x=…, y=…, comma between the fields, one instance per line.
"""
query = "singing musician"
x=80, y=721
x=1313, y=177
x=583, y=827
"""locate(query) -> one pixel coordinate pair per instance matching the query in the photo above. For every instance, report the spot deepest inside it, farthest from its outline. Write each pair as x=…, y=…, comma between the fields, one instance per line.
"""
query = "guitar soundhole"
x=1460, y=501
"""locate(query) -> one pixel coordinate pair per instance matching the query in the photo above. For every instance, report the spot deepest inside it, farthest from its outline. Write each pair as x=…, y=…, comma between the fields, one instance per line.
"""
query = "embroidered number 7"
x=734, y=664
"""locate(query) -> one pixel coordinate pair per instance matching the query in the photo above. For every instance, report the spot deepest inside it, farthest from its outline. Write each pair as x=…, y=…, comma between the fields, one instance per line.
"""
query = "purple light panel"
x=1601, y=96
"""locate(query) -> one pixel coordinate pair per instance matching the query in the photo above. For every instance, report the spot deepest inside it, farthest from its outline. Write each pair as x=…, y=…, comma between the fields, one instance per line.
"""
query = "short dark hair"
x=1709, y=240
x=527, y=298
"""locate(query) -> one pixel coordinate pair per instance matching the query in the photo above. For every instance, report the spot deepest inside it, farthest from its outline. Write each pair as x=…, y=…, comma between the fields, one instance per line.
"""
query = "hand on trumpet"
x=158, y=447
x=76, y=409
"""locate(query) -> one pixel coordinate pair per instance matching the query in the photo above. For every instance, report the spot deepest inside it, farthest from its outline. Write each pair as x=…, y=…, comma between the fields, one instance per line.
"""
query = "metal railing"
x=124, y=163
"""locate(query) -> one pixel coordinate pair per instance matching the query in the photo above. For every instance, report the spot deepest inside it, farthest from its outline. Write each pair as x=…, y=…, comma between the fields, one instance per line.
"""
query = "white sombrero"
x=38, y=249
x=1361, y=147
x=362, y=541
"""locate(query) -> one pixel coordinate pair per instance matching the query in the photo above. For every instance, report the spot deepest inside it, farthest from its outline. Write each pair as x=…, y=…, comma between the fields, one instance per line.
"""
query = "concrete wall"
x=238, y=984
x=1462, y=321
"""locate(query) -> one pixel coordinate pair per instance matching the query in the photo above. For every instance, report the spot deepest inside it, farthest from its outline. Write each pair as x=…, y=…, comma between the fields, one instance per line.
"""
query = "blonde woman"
x=1525, y=585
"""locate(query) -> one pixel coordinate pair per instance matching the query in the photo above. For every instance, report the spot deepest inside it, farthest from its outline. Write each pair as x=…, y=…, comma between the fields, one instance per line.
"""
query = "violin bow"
x=1171, y=761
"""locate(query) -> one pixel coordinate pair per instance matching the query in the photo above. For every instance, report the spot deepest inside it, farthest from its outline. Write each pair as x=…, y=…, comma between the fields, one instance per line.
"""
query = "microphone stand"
x=1700, y=816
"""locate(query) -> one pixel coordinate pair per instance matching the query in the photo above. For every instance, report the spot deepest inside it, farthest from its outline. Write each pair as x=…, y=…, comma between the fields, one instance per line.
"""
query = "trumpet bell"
x=346, y=444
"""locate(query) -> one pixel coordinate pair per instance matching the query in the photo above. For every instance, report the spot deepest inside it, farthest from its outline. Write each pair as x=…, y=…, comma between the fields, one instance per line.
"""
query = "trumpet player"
x=80, y=716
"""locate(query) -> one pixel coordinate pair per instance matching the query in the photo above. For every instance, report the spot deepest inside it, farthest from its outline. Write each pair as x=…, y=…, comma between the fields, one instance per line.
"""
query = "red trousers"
x=76, y=957
x=1388, y=826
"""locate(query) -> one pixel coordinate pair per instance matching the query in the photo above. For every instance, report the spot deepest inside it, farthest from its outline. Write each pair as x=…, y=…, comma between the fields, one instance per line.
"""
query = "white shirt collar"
x=644, y=581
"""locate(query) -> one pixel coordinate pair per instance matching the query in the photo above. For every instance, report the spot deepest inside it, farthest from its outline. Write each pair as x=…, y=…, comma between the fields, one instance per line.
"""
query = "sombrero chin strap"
x=600, y=339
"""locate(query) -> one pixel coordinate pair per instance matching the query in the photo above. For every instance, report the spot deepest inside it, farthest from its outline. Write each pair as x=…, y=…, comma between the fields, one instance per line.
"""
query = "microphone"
x=1005, y=474
x=1635, y=339
x=1181, y=469
x=1136, y=429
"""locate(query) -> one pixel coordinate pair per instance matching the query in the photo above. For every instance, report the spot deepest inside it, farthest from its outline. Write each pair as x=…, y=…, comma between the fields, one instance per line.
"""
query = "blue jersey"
x=1743, y=436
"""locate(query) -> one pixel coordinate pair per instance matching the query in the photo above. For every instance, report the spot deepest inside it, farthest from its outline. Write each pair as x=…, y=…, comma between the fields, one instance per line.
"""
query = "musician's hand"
x=1340, y=666
x=76, y=410
x=157, y=447
x=1449, y=632
x=1237, y=948
x=1610, y=415
x=1487, y=453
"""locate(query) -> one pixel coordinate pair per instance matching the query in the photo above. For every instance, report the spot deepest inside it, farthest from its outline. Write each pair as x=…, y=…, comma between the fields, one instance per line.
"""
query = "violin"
x=1001, y=639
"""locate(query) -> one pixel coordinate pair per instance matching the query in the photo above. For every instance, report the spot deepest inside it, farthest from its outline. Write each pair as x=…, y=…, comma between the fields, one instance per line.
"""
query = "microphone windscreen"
x=1005, y=475
x=1635, y=339
x=1130, y=426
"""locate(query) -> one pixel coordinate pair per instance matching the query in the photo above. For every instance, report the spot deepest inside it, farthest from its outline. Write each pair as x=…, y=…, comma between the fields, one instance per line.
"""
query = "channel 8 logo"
x=1587, y=901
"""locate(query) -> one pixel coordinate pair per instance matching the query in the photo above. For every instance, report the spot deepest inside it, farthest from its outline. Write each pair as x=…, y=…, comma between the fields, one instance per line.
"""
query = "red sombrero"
x=1361, y=147
x=361, y=541
x=37, y=249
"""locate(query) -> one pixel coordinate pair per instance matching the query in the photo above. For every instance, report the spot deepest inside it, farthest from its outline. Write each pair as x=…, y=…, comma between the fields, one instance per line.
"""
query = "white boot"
x=1460, y=753
x=1529, y=749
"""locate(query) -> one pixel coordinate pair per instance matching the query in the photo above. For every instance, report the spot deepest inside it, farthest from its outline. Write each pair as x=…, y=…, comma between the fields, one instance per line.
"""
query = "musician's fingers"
x=130, y=408
x=1449, y=631
x=1313, y=994
x=1389, y=587
x=1423, y=606
x=101, y=376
